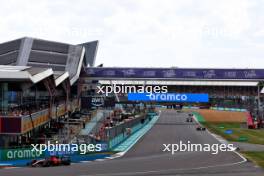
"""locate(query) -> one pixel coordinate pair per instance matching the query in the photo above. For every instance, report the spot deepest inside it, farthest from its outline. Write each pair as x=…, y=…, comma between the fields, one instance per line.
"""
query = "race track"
x=147, y=158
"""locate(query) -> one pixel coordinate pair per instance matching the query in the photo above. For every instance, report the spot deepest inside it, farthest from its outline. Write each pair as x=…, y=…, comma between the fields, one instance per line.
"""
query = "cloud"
x=152, y=33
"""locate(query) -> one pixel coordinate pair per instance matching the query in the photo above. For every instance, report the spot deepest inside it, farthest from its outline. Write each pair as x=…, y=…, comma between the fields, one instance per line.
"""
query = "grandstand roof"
x=35, y=59
x=24, y=73
x=181, y=83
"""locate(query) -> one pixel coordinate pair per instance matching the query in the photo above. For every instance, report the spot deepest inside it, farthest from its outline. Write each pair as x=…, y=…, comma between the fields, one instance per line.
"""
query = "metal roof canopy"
x=64, y=60
x=181, y=83
x=24, y=73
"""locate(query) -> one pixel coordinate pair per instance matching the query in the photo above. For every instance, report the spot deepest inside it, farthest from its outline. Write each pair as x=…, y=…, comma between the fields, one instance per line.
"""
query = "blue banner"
x=175, y=73
x=169, y=97
x=228, y=131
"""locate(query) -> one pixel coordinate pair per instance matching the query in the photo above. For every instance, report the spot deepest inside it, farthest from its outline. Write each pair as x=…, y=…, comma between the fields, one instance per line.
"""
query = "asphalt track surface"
x=147, y=157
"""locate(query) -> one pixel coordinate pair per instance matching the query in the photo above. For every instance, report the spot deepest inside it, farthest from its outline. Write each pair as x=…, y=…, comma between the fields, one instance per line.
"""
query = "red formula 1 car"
x=52, y=161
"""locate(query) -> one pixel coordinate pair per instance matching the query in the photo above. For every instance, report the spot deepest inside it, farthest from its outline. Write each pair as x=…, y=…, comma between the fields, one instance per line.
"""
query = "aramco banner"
x=169, y=97
x=18, y=154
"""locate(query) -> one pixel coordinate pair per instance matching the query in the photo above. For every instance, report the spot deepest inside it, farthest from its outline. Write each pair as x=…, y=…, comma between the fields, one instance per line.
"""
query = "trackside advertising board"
x=19, y=154
x=28, y=153
x=175, y=73
x=168, y=97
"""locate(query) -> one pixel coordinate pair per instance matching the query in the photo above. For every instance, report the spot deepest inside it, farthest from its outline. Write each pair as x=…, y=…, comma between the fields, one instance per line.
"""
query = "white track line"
x=168, y=170
x=11, y=168
x=222, y=141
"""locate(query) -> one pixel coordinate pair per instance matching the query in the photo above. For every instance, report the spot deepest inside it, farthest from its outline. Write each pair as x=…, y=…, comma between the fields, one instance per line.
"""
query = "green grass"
x=257, y=157
x=199, y=117
x=251, y=135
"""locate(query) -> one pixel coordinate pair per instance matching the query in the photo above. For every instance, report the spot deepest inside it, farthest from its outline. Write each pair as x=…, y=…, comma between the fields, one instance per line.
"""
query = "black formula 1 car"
x=200, y=128
x=189, y=119
x=51, y=161
x=190, y=115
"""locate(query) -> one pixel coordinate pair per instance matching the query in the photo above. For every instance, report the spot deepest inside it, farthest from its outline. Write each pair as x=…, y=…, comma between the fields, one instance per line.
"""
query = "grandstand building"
x=42, y=81
x=38, y=83
x=226, y=87
x=234, y=89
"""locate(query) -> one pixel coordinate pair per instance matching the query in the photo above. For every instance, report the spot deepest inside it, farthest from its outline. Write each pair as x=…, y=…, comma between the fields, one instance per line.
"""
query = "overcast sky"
x=149, y=33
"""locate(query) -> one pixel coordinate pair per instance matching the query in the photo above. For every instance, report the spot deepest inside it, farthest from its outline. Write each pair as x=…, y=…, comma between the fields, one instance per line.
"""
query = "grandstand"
x=38, y=82
x=239, y=89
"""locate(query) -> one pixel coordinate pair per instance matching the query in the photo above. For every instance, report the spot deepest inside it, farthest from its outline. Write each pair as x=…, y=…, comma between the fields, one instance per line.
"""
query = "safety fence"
x=121, y=132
